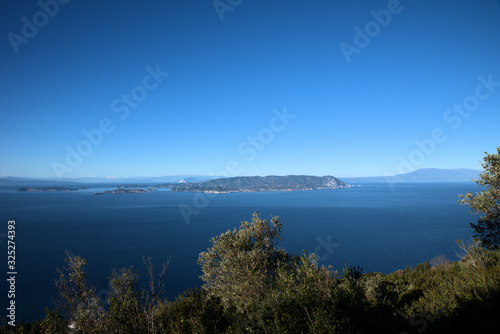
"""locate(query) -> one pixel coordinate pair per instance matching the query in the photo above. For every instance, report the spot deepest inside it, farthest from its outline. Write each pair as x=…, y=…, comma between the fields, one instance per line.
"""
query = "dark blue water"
x=369, y=226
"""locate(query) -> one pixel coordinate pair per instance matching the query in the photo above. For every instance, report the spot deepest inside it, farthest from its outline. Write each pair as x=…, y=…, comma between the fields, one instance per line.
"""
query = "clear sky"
x=240, y=87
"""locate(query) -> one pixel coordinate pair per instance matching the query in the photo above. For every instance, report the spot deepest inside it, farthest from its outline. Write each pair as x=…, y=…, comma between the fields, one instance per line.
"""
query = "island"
x=260, y=183
x=126, y=191
x=49, y=189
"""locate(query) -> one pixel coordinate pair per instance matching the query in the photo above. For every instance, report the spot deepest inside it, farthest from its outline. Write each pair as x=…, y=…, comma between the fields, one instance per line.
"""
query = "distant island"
x=260, y=183
x=49, y=189
x=126, y=191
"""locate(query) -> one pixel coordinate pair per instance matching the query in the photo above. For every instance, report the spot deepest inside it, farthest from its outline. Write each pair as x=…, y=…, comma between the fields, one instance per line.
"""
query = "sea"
x=377, y=226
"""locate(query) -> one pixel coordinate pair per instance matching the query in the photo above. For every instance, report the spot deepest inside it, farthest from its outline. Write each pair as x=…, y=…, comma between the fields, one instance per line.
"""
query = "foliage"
x=53, y=322
x=487, y=203
x=440, y=262
x=152, y=296
x=77, y=298
x=124, y=303
x=465, y=296
x=241, y=266
x=196, y=312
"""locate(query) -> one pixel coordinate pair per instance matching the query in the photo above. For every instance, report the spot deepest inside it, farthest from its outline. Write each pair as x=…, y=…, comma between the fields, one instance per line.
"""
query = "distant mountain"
x=423, y=175
x=194, y=179
x=264, y=183
x=145, y=179
x=9, y=180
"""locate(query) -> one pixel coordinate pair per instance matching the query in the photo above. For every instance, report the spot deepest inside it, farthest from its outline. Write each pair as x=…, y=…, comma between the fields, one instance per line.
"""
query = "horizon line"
x=218, y=176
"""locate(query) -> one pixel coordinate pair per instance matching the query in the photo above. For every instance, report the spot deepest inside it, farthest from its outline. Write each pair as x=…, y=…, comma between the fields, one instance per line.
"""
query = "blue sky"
x=343, y=88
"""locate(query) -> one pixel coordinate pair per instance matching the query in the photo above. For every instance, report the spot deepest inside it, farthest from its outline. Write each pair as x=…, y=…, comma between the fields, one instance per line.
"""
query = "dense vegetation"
x=251, y=285
x=487, y=203
x=262, y=183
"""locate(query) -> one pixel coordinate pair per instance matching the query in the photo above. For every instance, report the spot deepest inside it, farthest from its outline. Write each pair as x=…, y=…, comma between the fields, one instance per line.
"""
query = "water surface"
x=372, y=226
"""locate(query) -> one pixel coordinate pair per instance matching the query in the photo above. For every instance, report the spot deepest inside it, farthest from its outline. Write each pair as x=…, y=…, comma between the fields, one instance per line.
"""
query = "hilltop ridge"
x=423, y=175
x=262, y=183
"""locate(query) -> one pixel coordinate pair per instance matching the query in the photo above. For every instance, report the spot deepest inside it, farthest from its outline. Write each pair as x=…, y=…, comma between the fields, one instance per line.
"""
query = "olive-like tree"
x=242, y=265
x=487, y=203
x=77, y=297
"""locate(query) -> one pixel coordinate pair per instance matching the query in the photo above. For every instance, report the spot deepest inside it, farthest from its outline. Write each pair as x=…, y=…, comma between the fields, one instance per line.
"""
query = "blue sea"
x=375, y=226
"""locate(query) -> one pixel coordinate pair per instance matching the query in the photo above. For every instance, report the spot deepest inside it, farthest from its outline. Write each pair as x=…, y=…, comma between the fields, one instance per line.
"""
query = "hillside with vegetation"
x=264, y=183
